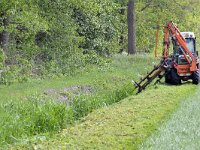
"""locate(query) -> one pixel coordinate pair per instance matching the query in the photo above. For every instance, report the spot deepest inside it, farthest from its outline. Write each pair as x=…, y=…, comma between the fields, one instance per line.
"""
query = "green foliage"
x=16, y=73
x=148, y=13
x=53, y=36
x=58, y=38
x=99, y=24
x=93, y=58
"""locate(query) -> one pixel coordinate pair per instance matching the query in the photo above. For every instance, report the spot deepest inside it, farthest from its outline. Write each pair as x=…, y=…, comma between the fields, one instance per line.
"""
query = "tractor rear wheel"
x=168, y=77
x=175, y=77
x=172, y=77
x=195, y=77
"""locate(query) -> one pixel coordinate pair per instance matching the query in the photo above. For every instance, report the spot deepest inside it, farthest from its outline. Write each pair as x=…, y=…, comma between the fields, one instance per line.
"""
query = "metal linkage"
x=144, y=82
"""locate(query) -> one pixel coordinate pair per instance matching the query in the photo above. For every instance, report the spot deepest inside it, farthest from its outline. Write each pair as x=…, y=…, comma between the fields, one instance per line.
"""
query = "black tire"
x=168, y=77
x=172, y=77
x=195, y=77
x=175, y=77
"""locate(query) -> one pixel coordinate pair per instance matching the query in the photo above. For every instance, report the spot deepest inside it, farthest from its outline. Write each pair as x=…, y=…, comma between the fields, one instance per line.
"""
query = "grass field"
x=123, y=125
x=182, y=131
x=100, y=119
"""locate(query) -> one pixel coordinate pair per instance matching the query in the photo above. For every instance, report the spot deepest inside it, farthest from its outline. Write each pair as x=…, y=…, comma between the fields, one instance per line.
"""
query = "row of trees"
x=42, y=37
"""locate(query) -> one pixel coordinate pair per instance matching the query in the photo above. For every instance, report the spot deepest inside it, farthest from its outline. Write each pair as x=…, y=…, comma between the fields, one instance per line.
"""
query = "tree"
x=131, y=27
x=19, y=22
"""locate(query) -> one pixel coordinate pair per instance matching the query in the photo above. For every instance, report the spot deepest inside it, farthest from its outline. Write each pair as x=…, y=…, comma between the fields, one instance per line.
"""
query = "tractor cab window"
x=190, y=44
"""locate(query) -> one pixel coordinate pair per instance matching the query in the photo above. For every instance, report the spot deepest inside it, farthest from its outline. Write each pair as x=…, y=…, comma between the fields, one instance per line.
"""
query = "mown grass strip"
x=181, y=131
x=120, y=126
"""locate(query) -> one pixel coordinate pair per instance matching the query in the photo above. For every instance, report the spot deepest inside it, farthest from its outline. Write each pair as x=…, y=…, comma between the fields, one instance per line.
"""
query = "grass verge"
x=181, y=131
x=123, y=125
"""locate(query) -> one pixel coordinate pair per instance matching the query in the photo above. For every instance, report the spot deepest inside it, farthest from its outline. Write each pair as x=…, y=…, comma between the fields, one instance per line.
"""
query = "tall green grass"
x=85, y=104
x=37, y=115
x=30, y=117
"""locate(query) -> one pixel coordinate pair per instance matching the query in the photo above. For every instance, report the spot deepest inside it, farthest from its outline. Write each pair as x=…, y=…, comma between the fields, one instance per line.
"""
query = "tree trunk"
x=5, y=36
x=131, y=28
x=122, y=38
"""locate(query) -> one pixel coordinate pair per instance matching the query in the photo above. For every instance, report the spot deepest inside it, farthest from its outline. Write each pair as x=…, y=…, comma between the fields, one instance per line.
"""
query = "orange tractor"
x=181, y=65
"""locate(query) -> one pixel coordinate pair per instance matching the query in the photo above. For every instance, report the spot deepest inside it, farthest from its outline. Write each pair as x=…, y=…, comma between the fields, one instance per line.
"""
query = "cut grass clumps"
x=33, y=116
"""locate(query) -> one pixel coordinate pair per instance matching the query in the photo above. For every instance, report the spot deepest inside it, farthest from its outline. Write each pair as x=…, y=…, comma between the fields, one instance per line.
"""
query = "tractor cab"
x=190, y=41
x=191, y=45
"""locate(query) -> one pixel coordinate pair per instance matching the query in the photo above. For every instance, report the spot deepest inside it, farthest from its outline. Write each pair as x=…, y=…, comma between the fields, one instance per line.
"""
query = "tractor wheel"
x=195, y=77
x=168, y=77
x=175, y=79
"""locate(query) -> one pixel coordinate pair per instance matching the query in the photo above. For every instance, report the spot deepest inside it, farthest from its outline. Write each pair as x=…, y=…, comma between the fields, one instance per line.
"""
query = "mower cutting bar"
x=144, y=82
